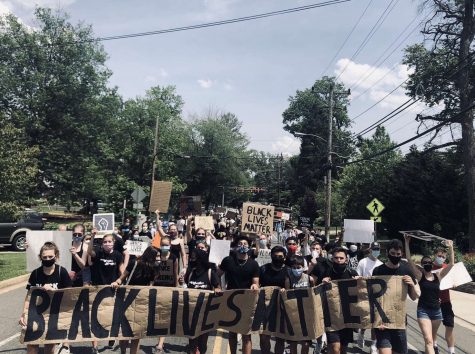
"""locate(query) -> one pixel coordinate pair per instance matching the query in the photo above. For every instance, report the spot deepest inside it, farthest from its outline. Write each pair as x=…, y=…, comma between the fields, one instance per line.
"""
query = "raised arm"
x=159, y=224
x=417, y=273
x=90, y=249
x=446, y=270
x=189, y=232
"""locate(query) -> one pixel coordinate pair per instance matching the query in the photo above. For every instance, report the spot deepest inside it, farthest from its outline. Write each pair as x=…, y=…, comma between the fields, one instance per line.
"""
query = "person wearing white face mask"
x=365, y=269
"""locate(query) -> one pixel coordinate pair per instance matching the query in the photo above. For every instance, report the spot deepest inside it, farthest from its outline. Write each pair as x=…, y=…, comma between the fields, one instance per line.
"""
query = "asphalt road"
x=11, y=303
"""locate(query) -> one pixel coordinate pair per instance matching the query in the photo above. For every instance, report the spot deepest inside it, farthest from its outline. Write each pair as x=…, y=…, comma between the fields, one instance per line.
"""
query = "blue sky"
x=251, y=68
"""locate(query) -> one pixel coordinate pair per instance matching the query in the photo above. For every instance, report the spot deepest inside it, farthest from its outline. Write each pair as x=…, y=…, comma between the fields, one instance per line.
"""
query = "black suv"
x=14, y=233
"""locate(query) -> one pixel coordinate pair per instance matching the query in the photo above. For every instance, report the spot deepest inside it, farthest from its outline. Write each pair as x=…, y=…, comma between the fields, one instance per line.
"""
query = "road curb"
x=13, y=281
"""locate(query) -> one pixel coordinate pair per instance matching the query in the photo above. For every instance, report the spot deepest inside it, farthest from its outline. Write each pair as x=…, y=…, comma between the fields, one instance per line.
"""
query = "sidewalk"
x=463, y=306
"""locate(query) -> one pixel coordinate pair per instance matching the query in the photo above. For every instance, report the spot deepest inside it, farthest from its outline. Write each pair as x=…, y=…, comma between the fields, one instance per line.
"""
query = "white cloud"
x=205, y=83
x=163, y=73
x=287, y=145
x=218, y=7
x=5, y=8
x=31, y=4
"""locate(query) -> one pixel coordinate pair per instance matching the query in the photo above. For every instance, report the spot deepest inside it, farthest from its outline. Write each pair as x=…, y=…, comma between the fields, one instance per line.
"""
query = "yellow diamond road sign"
x=376, y=218
x=375, y=207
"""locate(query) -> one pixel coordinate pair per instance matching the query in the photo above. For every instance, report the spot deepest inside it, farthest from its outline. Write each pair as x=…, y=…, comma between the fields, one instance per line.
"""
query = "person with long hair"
x=429, y=313
x=139, y=272
x=201, y=275
x=49, y=276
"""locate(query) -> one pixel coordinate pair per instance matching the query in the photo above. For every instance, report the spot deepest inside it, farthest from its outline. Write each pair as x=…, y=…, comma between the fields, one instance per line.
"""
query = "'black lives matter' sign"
x=257, y=218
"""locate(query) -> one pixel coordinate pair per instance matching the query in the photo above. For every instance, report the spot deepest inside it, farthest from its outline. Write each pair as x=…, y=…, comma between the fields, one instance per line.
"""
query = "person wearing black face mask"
x=429, y=313
x=79, y=255
x=273, y=274
x=394, y=340
x=338, y=340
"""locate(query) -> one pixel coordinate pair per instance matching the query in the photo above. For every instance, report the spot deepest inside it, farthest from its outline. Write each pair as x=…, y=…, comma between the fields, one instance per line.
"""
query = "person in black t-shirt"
x=273, y=274
x=139, y=272
x=339, y=340
x=125, y=229
x=394, y=340
x=200, y=275
x=106, y=264
x=49, y=276
x=241, y=272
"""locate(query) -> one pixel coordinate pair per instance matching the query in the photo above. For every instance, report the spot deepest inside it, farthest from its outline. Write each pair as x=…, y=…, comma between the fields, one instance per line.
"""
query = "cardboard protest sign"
x=102, y=313
x=257, y=218
x=358, y=231
x=136, y=248
x=36, y=239
x=160, y=196
x=305, y=221
x=220, y=210
x=190, y=205
x=205, y=222
x=457, y=276
x=218, y=250
x=103, y=223
x=231, y=214
x=165, y=273
x=263, y=257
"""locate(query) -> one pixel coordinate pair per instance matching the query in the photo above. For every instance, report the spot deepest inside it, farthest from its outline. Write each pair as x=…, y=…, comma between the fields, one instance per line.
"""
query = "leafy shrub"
x=469, y=262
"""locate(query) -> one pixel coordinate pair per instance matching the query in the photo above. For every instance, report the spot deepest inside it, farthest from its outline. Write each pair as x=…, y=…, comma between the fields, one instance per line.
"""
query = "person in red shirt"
x=445, y=304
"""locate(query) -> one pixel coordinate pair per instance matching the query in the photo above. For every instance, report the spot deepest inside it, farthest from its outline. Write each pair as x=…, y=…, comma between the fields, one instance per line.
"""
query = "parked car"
x=14, y=233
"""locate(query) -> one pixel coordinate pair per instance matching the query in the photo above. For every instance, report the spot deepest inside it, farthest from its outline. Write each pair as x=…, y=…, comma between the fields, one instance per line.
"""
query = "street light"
x=308, y=134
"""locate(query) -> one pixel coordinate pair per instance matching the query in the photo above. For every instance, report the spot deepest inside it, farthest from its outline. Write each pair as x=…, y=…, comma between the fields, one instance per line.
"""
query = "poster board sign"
x=136, y=248
x=231, y=214
x=220, y=210
x=305, y=221
x=103, y=223
x=160, y=196
x=263, y=257
x=103, y=313
x=36, y=239
x=457, y=276
x=257, y=218
x=358, y=231
x=206, y=222
x=218, y=250
x=190, y=205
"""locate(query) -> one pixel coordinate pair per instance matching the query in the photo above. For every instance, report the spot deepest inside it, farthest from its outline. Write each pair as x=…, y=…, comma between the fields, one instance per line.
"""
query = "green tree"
x=18, y=172
x=445, y=75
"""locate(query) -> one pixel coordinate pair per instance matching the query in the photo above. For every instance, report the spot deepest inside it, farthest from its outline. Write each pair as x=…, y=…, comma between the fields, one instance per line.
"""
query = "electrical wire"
x=224, y=22
x=347, y=38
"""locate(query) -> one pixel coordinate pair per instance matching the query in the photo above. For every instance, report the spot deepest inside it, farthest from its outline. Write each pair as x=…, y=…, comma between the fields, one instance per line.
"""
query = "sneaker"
x=94, y=350
x=374, y=349
x=63, y=350
x=360, y=340
x=436, y=350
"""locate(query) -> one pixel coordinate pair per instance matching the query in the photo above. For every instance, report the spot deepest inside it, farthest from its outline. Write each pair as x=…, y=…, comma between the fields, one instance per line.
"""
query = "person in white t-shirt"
x=180, y=225
x=365, y=269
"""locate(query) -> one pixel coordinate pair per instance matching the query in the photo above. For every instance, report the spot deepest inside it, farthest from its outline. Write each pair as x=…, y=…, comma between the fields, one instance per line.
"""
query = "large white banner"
x=358, y=231
x=36, y=239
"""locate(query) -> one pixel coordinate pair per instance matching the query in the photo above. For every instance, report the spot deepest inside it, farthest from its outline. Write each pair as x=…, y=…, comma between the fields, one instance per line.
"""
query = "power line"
x=347, y=37
x=425, y=132
x=370, y=35
x=224, y=22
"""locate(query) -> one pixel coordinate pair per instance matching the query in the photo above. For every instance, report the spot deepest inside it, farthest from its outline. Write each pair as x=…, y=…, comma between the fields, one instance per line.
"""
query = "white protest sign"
x=36, y=239
x=358, y=231
x=136, y=248
x=104, y=223
x=458, y=275
x=263, y=257
x=218, y=250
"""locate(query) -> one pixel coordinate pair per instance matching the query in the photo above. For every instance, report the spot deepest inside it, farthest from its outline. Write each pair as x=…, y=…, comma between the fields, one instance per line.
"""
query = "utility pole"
x=279, y=175
x=328, y=190
x=222, y=200
x=155, y=144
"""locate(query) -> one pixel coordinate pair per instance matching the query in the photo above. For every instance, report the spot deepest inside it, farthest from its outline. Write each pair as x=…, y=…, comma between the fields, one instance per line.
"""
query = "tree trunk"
x=463, y=84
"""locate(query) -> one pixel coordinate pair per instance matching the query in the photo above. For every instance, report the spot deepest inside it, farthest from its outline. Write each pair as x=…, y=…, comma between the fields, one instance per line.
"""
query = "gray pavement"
x=12, y=301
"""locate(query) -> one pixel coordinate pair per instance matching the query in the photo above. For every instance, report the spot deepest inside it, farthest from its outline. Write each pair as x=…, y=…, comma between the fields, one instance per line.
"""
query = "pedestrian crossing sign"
x=376, y=218
x=375, y=207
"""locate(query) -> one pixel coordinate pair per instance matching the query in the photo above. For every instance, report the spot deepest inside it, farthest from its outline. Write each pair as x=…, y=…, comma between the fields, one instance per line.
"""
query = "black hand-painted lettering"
x=266, y=314
x=80, y=314
x=208, y=308
x=300, y=294
x=322, y=291
x=152, y=303
x=372, y=296
x=285, y=320
x=53, y=331
x=35, y=314
x=232, y=306
x=96, y=327
x=189, y=330
x=346, y=299
x=175, y=299
x=119, y=319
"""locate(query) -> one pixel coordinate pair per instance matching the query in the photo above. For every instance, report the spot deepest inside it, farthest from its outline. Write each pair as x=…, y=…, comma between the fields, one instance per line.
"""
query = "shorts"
x=343, y=336
x=391, y=338
x=447, y=314
x=429, y=314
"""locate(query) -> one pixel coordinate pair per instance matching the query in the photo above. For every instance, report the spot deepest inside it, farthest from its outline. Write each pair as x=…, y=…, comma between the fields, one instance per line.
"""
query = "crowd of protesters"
x=300, y=258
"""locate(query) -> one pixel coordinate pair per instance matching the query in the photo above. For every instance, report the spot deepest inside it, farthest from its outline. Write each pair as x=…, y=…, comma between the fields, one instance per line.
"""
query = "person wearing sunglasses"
x=79, y=254
x=429, y=313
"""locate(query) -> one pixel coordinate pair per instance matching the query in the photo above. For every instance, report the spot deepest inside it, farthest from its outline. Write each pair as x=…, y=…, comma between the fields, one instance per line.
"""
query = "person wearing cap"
x=365, y=269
